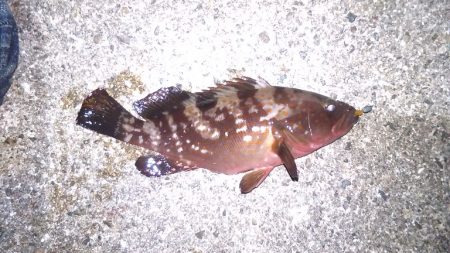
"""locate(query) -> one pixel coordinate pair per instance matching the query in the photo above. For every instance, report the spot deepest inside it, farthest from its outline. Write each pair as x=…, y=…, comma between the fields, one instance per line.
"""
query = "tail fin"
x=102, y=114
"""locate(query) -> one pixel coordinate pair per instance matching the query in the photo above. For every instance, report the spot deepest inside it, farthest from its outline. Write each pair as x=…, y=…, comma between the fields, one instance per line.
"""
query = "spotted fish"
x=241, y=125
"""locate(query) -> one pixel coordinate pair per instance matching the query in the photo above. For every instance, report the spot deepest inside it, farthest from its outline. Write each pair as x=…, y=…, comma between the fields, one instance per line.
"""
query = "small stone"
x=216, y=233
x=367, y=109
x=383, y=195
x=200, y=234
x=97, y=38
x=264, y=37
x=417, y=225
x=345, y=183
x=8, y=192
x=86, y=240
x=391, y=126
x=156, y=31
x=351, y=17
x=10, y=140
x=124, y=39
x=108, y=223
x=348, y=146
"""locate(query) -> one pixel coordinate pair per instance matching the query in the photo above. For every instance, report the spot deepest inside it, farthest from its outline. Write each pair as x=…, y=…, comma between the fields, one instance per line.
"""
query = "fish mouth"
x=346, y=122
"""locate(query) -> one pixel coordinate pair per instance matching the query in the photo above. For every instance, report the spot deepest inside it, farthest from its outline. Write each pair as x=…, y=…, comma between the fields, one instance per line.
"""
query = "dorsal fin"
x=164, y=99
x=241, y=86
x=167, y=99
x=245, y=81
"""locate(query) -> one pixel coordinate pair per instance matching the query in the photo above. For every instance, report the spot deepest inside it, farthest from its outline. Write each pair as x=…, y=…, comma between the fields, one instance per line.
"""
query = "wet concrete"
x=384, y=187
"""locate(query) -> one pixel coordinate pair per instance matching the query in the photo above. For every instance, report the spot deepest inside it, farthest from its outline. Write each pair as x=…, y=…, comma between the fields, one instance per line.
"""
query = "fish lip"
x=343, y=125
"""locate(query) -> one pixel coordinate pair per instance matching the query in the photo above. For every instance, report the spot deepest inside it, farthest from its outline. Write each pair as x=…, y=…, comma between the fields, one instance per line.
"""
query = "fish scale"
x=241, y=125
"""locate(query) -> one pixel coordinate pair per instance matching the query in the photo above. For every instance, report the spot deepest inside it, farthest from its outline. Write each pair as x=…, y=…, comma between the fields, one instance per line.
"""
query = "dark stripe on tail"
x=102, y=114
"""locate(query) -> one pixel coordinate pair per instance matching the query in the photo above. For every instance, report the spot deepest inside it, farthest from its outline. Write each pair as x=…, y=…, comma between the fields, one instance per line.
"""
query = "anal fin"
x=253, y=179
x=158, y=165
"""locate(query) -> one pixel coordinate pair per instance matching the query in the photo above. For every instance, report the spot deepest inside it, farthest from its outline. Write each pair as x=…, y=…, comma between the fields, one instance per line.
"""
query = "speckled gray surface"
x=384, y=187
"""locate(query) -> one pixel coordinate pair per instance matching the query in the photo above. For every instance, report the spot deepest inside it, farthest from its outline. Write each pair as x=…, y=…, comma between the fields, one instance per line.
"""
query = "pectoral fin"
x=289, y=162
x=281, y=147
x=253, y=179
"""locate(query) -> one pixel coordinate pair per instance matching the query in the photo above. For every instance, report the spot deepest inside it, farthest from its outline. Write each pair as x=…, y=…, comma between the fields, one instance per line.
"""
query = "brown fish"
x=238, y=126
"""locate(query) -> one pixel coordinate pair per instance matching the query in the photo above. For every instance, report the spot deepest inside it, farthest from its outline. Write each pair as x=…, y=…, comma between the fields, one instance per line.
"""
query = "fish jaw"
x=345, y=124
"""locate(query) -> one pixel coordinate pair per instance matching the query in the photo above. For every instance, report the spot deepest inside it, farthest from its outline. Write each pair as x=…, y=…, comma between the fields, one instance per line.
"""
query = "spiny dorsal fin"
x=245, y=81
x=164, y=99
x=253, y=179
x=243, y=87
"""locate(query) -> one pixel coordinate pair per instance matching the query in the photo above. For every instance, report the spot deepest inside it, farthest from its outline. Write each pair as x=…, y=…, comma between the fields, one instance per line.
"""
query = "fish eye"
x=330, y=107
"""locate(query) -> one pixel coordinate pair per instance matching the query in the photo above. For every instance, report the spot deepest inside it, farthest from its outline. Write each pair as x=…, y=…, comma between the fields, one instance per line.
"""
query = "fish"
x=239, y=125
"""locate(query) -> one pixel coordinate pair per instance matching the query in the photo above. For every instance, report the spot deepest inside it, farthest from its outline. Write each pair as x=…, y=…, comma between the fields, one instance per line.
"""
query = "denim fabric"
x=9, y=48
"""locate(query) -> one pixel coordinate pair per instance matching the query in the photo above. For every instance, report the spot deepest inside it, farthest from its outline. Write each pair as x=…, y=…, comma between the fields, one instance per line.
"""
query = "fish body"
x=238, y=126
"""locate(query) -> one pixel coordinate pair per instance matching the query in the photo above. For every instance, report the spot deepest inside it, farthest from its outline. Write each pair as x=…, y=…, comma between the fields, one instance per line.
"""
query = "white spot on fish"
x=150, y=129
x=128, y=137
x=253, y=109
x=180, y=149
x=215, y=135
x=239, y=121
x=128, y=127
x=141, y=139
x=128, y=120
x=220, y=117
x=172, y=124
x=241, y=129
x=201, y=128
x=178, y=143
x=203, y=151
x=188, y=141
x=200, y=125
x=247, y=138
x=272, y=111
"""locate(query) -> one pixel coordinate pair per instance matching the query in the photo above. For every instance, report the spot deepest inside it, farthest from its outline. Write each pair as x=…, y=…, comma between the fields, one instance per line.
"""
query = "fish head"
x=323, y=120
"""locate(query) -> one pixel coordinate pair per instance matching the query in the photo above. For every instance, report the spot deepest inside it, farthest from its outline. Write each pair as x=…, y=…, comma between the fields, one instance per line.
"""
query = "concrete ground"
x=384, y=187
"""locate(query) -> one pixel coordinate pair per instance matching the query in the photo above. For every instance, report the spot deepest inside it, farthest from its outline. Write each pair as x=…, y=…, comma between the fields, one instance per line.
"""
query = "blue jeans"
x=9, y=48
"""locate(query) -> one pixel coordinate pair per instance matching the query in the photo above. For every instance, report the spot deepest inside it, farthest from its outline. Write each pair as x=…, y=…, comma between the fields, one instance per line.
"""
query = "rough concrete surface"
x=384, y=187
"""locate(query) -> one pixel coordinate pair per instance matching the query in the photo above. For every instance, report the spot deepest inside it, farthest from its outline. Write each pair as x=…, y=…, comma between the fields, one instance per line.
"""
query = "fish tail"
x=103, y=114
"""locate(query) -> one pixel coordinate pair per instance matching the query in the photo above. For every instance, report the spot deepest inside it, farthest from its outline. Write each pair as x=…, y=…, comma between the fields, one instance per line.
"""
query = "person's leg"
x=9, y=48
